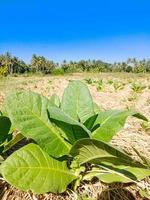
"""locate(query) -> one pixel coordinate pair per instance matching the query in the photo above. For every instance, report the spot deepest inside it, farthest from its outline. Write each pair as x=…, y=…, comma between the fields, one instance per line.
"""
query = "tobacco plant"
x=71, y=142
x=118, y=85
x=137, y=87
x=88, y=81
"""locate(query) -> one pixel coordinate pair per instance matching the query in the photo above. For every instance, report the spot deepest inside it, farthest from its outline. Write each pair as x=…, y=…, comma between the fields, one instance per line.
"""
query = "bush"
x=58, y=71
x=3, y=71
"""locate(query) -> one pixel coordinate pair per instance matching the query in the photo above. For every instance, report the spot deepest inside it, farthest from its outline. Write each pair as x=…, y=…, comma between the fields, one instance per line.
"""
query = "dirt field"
x=110, y=91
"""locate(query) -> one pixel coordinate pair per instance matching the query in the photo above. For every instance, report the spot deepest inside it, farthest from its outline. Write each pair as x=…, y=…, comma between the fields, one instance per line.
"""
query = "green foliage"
x=118, y=85
x=49, y=82
x=100, y=85
x=108, y=123
x=143, y=157
x=77, y=101
x=35, y=170
x=58, y=71
x=98, y=152
x=73, y=130
x=96, y=108
x=113, y=165
x=109, y=173
x=107, y=176
x=133, y=97
x=28, y=113
x=137, y=87
x=110, y=81
x=3, y=71
x=145, y=125
x=88, y=81
x=5, y=125
x=63, y=132
x=54, y=100
x=12, y=65
x=40, y=65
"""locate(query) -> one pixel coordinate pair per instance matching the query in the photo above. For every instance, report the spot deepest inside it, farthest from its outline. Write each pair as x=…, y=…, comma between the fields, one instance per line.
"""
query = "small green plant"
x=129, y=80
x=50, y=82
x=110, y=81
x=137, y=87
x=145, y=125
x=118, y=85
x=68, y=136
x=132, y=98
x=148, y=100
x=88, y=81
x=100, y=85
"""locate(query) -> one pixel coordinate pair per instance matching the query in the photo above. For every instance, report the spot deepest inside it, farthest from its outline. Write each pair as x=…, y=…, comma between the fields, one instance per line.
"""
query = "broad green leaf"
x=94, y=151
x=54, y=100
x=77, y=101
x=58, y=114
x=109, y=173
x=107, y=176
x=96, y=108
x=133, y=172
x=4, y=113
x=119, y=166
x=109, y=123
x=5, y=125
x=143, y=157
x=73, y=130
x=30, y=168
x=139, y=173
x=28, y=112
x=90, y=122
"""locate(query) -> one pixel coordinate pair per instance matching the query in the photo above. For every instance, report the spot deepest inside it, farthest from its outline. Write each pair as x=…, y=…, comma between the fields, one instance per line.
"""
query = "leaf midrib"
x=41, y=120
x=97, y=157
x=107, y=118
x=47, y=169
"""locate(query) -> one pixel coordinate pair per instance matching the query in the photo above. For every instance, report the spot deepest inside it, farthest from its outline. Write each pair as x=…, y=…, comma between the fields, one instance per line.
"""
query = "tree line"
x=39, y=64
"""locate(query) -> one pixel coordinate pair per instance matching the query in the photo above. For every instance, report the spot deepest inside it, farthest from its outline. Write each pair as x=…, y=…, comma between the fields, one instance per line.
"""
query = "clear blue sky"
x=110, y=30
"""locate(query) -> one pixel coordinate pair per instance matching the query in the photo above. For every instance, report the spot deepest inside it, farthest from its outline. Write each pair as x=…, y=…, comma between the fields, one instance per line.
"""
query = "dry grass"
x=87, y=191
x=133, y=136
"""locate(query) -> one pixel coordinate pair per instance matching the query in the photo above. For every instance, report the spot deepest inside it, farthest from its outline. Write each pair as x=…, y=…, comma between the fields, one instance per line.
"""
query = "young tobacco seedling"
x=100, y=85
x=137, y=87
x=88, y=81
x=118, y=86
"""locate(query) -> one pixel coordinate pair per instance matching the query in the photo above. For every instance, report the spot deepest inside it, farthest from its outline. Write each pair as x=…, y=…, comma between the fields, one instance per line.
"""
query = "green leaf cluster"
x=67, y=134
